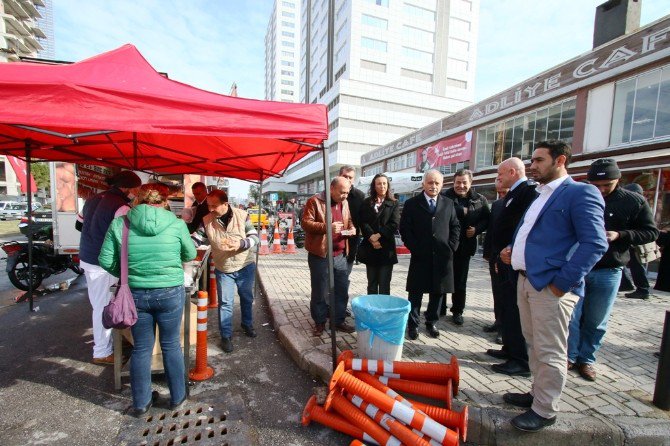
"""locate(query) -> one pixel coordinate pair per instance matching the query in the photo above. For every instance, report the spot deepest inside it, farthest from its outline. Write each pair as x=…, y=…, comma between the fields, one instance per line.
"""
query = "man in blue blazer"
x=560, y=238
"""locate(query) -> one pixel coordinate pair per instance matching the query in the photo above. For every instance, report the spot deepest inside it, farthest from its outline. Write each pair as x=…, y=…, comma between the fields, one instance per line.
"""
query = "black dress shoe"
x=638, y=295
x=432, y=331
x=177, y=406
x=499, y=340
x=531, y=422
x=413, y=334
x=491, y=328
x=226, y=345
x=519, y=399
x=458, y=319
x=512, y=368
x=249, y=330
x=499, y=354
x=138, y=412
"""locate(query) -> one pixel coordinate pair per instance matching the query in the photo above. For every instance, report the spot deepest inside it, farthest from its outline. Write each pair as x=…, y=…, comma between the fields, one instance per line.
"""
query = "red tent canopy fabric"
x=114, y=109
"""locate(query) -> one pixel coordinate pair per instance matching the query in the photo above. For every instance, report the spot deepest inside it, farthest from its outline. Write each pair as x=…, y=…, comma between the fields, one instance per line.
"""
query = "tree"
x=255, y=193
x=40, y=172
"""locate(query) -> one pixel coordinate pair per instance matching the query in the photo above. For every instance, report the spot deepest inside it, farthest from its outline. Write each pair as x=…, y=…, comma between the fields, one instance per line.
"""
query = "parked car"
x=42, y=221
x=253, y=216
x=10, y=210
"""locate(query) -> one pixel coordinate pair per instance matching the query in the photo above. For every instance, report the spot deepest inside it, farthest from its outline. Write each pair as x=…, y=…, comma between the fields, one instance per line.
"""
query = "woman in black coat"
x=663, y=278
x=379, y=218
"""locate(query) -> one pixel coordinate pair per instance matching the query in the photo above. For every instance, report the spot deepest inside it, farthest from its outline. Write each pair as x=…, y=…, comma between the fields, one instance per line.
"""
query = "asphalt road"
x=52, y=393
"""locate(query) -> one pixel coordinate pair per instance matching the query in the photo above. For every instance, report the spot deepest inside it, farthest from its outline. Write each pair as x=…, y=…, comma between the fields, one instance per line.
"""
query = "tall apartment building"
x=282, y=52
x=384, y=68
x=46, y=24
x=19, y=36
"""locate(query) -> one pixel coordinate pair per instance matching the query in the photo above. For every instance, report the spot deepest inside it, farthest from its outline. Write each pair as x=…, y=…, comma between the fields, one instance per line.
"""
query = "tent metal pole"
x=329, y=238
x=258, y=230
x=30, y=235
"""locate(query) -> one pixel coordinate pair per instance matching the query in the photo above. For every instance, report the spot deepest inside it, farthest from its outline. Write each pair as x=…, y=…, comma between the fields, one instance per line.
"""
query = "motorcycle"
x=46, y=261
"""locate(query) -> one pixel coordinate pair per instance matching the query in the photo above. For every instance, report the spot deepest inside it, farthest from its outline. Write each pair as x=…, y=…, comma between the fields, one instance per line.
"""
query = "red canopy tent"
x=114, y=109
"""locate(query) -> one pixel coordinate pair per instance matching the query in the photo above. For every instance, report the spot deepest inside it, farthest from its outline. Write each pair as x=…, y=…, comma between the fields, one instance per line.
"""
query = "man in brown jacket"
x=316, y=244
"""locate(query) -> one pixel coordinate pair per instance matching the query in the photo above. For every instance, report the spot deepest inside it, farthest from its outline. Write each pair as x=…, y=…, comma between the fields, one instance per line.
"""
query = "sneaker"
x=226, y=345
x=637, y=295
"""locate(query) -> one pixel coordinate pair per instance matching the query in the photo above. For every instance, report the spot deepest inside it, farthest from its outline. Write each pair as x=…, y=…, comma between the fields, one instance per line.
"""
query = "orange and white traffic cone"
x=276, y=243
x=314, y=412
x=412, y=417
x=213, y=300
x=290, y=243
x=201, y=371
x=436, y=391
x=265, y=249
x=418, y=371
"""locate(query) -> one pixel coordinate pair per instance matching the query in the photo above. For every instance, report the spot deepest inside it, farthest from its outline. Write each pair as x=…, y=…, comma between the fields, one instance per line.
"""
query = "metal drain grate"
x=196, y=425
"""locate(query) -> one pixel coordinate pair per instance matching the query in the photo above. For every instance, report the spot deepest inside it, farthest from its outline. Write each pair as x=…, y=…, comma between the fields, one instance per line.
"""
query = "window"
x=287, y=92
x=411, y=34
x=416, y=75
x=287, y=82
x=374, y=66
x=419, y=13
x=642, y=107
x=373, y=170
x=418, y=56
x=376, y=22
x=288, y=54
x=333, y=125
x=458, y=46
x=341, y=31
x=457, y=66
x=401, y=162
x=458, y=26
x=287, y=34
x=373, y=44
x=288, y=24
x=341, y=71
x=516, y=136
x=287, y=63
x=290, y=15
x=384, y=3
x=287, y=73
x=456, y=83
x=287, y=44
x=288, y=5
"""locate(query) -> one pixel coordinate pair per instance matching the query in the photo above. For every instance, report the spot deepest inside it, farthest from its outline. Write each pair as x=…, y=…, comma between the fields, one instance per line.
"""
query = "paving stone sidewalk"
x=615, y=409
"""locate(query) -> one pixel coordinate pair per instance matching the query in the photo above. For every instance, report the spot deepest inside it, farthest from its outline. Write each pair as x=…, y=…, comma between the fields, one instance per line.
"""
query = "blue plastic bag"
x=385, y=316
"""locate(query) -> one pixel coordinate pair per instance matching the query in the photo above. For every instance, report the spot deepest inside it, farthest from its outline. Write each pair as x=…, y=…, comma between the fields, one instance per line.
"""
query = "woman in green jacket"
x=158, y=243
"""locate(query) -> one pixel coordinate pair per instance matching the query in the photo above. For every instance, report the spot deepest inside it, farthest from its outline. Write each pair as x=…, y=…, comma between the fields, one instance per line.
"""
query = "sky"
x=212, y=44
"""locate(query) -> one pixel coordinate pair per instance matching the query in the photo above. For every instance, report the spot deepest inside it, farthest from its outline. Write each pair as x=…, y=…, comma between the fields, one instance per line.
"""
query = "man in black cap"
x=634, y=277
x=98, y=213
x=628, y=221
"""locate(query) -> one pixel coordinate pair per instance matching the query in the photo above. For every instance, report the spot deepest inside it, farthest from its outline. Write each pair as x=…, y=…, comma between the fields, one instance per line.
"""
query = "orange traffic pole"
x=332, y=420
x=356, y=443
x=213, y=300
x=451, y=419
x=264, y=249
x=396, y=428
x=290, y=243
x=276, y=242
x=396, y=409
x=436, y=391
x=201, y=371
x=418, y=371
x=356, y=417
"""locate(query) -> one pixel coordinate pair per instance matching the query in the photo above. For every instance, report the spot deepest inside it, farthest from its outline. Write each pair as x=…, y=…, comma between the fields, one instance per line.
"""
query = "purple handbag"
x=121, y=312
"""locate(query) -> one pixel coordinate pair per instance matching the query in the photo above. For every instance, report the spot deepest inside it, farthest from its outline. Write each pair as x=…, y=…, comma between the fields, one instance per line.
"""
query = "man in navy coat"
x=559, y=240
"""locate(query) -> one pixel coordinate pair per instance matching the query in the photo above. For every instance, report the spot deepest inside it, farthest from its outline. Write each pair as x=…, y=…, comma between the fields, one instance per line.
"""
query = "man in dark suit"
x=512, y=174
x=354, y=200
x=430, y=230
x=559, y=240
x=496, y=207
x=199, y=206
x=473, y=214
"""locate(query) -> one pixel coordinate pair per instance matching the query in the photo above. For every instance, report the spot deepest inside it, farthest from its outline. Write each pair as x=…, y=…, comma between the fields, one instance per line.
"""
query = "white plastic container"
x=381, y=319
x=380, y=349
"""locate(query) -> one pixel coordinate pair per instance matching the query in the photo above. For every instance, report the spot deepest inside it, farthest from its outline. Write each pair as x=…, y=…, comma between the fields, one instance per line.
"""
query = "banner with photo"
x=444, y=152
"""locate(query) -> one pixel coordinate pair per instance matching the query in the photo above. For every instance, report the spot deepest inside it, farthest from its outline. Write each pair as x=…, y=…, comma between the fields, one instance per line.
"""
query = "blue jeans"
x=589, y=318
x=162, y=307
x=319, y=302
x=225, y=288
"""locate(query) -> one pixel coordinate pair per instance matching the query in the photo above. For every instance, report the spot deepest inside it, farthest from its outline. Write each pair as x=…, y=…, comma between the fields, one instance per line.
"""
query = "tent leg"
x=258, y=230
x=331, y=274
x=30, y=235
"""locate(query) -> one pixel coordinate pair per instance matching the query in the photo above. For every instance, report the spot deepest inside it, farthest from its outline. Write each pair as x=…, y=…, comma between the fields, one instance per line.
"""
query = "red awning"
x=114, y=109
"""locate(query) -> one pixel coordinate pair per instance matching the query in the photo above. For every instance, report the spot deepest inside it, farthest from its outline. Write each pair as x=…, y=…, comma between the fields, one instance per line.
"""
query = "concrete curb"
x=490, y=425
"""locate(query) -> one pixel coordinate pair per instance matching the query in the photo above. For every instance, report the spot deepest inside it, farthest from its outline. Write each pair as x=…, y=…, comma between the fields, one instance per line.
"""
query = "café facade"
x=612, y=102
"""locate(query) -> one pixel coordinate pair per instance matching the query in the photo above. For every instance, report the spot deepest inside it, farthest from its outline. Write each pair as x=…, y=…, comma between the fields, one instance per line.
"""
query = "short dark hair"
x=198, y=185
x=556, y=148
x=463, y=173
x=373, y=192
x=221, y=195
x=346, y=168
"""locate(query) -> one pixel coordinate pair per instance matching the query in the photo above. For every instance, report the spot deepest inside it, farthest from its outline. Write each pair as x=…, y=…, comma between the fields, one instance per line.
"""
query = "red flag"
x=19, y=167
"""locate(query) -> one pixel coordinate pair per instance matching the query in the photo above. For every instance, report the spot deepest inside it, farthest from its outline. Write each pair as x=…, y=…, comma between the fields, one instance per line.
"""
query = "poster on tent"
x=444, y=152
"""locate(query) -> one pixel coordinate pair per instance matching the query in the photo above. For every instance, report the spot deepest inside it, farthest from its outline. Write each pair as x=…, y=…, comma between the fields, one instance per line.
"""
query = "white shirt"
x=519, y=248
x=430, y=198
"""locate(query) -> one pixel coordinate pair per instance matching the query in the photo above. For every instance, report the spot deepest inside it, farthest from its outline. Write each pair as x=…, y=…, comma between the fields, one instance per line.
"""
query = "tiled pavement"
x=616, y=409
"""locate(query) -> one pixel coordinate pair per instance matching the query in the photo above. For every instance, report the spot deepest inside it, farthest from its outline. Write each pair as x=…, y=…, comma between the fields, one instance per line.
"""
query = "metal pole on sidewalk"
x=258, y=231
x=329, y=239
x=662, y=389
x=30, y=235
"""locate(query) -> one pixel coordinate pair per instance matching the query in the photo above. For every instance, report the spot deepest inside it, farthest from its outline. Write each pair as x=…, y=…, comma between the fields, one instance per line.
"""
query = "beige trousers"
x=544, y=323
